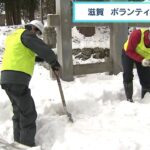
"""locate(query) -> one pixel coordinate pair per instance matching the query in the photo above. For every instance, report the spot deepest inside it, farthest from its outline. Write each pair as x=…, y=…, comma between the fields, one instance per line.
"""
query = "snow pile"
x=103, y=119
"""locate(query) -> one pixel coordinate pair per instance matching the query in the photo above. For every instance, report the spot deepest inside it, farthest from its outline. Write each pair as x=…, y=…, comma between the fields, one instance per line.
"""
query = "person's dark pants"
x=143, y=73
x=24, y=118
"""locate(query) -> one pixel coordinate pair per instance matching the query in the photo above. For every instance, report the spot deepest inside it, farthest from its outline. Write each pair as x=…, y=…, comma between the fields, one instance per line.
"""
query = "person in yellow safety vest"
x=136, y=51
x=18, y=61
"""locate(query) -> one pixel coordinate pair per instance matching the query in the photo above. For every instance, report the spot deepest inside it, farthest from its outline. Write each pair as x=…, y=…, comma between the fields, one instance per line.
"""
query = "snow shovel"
x=63, y=98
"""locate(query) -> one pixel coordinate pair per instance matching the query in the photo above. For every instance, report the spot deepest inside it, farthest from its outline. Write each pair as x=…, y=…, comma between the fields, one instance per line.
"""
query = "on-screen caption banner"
x=111, y=12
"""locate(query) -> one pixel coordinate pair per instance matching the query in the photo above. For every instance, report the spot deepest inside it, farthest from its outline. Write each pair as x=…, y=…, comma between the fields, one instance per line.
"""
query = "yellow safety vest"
x=16, y=56
x=141, y=48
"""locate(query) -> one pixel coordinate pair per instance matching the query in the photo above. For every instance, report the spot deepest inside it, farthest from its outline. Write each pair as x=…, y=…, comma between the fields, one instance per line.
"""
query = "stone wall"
x=86, y=53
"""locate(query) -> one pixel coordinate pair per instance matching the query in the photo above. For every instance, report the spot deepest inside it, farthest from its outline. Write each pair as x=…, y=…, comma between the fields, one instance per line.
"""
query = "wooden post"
x=64, y=39
x=118, y=35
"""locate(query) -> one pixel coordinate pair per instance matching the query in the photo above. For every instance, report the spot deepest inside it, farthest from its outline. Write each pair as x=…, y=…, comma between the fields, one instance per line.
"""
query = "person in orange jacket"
x=136, y=51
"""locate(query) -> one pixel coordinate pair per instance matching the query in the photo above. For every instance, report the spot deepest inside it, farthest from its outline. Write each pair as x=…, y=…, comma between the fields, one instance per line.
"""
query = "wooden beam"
x=92, y=68
x=53, y=20
x=139, y=24
x=90, y=24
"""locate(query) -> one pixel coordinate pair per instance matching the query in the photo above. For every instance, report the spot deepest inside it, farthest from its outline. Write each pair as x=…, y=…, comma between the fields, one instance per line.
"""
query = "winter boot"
x=128, y=87
x=144, y=91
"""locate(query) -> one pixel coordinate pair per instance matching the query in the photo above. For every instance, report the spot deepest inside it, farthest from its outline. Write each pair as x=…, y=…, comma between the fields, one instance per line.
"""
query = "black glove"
x=38, y=59
x=55, y=66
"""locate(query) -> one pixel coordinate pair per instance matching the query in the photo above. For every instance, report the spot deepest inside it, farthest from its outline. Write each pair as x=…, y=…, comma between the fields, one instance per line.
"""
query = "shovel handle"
x=62, y=97
x=60, y=89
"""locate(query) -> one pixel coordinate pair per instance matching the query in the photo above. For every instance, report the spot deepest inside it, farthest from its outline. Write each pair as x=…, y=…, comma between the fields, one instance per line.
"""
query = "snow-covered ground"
x=103, y=119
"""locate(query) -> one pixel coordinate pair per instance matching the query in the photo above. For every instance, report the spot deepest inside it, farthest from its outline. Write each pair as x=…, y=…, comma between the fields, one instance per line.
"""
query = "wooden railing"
x=63, y=24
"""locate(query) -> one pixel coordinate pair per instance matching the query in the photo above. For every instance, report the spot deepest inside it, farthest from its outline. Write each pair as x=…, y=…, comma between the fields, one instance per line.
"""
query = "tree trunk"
x=50, y=7
x=31, y=9
x=16, y=12
x=12, y=9
x=8, y=7
x=31, y=14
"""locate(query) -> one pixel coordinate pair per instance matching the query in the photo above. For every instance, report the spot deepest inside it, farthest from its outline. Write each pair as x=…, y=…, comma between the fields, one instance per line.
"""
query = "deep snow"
x=103, y=119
